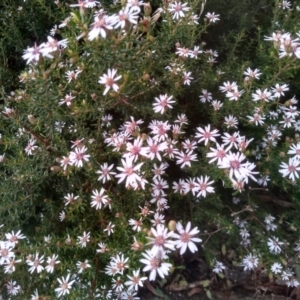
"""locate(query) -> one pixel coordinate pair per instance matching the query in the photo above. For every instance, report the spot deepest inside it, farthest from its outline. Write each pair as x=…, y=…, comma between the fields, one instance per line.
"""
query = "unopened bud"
x=146, y=77
x=147, y=9
x=82, y=11
x=137, y=246
x=29, y=257
x=73, y=60
x=24, y=76
x=247, y=81
x=55, y=169
x=282, y=154
x=32, y=119
x=284, y=262
x=172, y=225
x=178, y=84
x=144, y=136
x=145, y=24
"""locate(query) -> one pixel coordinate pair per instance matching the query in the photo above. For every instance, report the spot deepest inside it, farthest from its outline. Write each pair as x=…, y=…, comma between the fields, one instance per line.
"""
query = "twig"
x=209, y=235
x=39, y=138
x=247, y=208
x=289, y=66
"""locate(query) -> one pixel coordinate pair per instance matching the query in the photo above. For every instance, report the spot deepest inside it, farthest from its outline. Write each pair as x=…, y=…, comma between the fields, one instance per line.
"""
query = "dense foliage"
x=139, y=133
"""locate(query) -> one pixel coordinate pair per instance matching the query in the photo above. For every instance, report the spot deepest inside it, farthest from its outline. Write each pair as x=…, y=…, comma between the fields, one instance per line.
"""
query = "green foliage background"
x=30, y=192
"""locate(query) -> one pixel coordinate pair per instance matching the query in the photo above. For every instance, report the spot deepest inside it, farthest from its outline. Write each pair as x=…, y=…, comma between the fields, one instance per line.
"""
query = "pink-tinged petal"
x=106, y=90
x=196, y=240
x=152, y=275
x=170, y=234
x=115, y=87
x=188, y=227
x=170, y=246
x=192, y=247
x=179, y=227
x=176, y=236
x=160, y=272
x=154, y=232
x=183, y=248
x=147, y=268
x=137, y=167
x=155, y=249
x=144, y=261
x=179, y=244
x=194, y=231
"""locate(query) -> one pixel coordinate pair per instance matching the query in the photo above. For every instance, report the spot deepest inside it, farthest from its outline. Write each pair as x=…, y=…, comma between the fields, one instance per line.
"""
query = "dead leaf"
x=194, y=291
x=152, y=289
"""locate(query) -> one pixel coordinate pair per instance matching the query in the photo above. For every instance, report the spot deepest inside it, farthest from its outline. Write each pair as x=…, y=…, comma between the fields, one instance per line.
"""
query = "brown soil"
x=196, y=280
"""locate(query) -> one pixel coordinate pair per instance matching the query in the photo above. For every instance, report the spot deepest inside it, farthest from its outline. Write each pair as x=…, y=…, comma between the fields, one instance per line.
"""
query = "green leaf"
x=297, y=270
x=159, y=292
x=183, y=283
x=208, y=294
x=223, y=249
x=162, y=282
x=231, y=254
x=205, y=283
x=236, y=264
x=180, y=267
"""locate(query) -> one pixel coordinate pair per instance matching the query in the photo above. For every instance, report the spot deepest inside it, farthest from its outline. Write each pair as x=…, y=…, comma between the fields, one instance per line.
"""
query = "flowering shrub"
x=131, y=143
x=23, y=22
